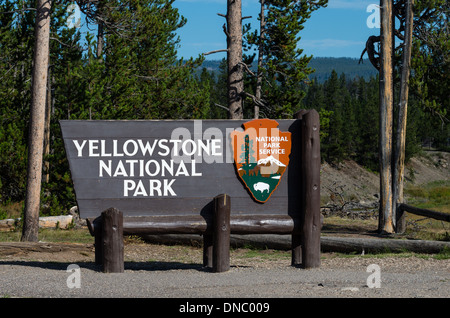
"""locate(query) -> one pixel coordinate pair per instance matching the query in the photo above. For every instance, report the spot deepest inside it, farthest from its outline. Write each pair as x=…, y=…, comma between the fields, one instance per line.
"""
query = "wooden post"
x=112, y=241
x=297, y=243
x=296, y=258
x=98, y=242
x=310, y=167
x=221, y=233
x=207, y=250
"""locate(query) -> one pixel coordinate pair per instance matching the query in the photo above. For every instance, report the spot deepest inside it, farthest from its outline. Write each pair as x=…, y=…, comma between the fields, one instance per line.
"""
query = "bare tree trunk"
x=37, y=120
x=48, y=112
x=399, y=160
x=100, y=38
x=100, y=41
x=386, y=220
x=262, y=30
x=234, y=56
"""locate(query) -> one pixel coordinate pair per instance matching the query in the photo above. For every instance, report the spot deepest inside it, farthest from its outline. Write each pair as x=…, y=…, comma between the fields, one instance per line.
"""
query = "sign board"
x=172, y=167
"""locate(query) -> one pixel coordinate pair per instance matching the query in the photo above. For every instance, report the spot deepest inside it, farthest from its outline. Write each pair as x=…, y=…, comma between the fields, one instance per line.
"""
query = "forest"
x=128, y=68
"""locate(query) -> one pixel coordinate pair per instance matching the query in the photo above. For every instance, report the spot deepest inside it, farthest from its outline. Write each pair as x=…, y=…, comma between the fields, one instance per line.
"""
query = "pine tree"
x=283, y=68
x=16, y=38
x=431, y=56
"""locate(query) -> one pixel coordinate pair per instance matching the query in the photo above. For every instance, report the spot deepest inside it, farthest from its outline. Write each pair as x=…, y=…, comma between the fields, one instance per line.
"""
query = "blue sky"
x=339, y=30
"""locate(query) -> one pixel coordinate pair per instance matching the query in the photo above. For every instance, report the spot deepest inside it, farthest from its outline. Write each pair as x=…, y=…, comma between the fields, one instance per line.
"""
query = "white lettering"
x=162, y=144
x=120, y=170
x=193, y=147
x=104, y=167
x=167, y=167
x=140, y=190
x=93, y=145
x=168, y=188
x=182, y=170
x=128, y=185
x=147, y=168
x=125, y=147
x=155, y=185
x=79, y=148
x=155, y=188
x=115, y=153
x=131, y=165
x=103, y=148
x=147, y=147
x=193, y=172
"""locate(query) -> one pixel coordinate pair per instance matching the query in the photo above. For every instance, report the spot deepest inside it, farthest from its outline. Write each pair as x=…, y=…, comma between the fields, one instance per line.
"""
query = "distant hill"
x=349, y=66
x=323, y=67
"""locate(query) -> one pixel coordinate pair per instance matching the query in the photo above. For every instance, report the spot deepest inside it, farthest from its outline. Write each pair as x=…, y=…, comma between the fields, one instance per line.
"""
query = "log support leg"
x=112, y=241
x=310, y=168
x=221, y=234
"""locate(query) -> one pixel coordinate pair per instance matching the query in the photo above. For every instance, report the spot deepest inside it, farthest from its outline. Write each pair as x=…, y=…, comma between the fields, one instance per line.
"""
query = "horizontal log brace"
x=424, y=212
x=197, y=224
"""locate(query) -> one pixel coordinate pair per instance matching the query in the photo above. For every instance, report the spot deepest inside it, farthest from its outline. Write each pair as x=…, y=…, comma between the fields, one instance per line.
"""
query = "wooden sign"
x=261, y=156
x=177, y=167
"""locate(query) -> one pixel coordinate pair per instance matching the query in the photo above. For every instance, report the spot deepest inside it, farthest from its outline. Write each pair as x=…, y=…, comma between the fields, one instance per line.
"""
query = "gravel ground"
x=159, y=271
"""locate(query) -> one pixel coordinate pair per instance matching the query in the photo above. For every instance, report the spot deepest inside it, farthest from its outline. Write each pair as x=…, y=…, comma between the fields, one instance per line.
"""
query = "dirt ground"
x=175, y=257
x=359, y=184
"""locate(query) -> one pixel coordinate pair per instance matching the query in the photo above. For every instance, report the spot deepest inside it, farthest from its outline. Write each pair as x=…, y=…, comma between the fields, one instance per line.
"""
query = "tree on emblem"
x=247, y=154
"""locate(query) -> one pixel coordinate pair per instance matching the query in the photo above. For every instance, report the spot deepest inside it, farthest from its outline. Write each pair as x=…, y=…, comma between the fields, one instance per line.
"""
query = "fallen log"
x=327, y=243
x=360, y=245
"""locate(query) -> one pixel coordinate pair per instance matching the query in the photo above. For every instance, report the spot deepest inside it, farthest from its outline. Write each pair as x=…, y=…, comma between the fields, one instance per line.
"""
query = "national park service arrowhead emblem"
x=261, y=156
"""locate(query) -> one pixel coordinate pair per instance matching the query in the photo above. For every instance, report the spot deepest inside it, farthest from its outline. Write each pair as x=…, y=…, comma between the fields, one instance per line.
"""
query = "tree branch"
x=224, y=27
x=226, y=108
x=257, y=101
x=20, y=10
x=215, y=51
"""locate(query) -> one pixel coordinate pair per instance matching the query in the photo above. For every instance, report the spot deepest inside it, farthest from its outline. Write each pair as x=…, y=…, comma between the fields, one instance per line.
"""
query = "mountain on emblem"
x=261, y=155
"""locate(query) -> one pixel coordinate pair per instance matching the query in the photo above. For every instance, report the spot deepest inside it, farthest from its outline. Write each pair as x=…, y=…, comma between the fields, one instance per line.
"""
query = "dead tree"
x=235, y=83
x=235, y=79
x=399, y=155
x=262, y=25
x=386, y=219
x=392, y=160
x=37, y=120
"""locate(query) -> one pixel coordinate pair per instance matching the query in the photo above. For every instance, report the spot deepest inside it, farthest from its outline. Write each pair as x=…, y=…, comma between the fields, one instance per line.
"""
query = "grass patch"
x=11, y=210
x=52, y=235
x=443, y=255
x=269, y=254
x=433, y=196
